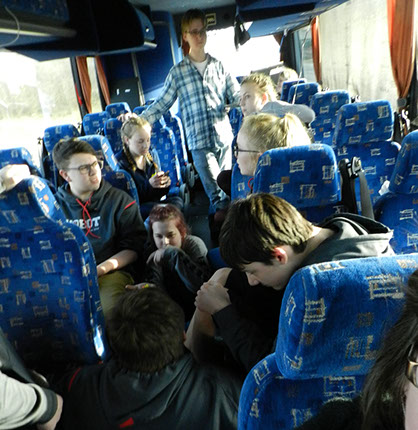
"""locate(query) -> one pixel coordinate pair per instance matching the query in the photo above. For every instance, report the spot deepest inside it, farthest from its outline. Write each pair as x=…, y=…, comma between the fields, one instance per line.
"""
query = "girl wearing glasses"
x=152, y=184
x=262, y=132
x=390, y=394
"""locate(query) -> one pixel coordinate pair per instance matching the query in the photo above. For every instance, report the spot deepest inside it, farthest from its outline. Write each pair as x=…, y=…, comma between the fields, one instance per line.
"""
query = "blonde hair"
x=266, y=131
x=127, y=131
x=264, y=83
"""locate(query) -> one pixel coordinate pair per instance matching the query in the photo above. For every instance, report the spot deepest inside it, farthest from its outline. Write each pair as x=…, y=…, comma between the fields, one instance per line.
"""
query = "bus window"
x=33, y=96
x=258, y=53
x=305, y=38
x=96, y=105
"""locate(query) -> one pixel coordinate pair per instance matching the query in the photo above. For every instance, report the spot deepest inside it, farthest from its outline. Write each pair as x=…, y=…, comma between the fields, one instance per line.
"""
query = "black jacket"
x=184, y=395
x=249, y=325
x=110, y=220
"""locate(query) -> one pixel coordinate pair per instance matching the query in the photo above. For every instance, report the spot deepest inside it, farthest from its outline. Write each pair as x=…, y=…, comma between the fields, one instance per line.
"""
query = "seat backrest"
x=139, y=109
x=326, y=105
x=123, y=180
x=306, y=176
x=112, y=130
x=93, y=123
x=18, y=156
x=53, y=135
x=363, y=130
x=333, y=319
x=173, y=122
x=398, y=208
x=240, y=184
x=104, y=151
x=302, y=93
x=49, y=294
x=116, y=109
x=287, y=85
x=235, y=119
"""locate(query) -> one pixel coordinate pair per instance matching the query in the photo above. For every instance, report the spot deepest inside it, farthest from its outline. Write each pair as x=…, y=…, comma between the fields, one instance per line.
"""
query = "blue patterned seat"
x=123, y=180
x=332, y=321
x=93, y=123
x=53, y=135
x=326, y=105
x=139, y=109
x=287, y=85
x=235, y=119
x=116, y=109
x=112, y=129
x=18, y=156
x=240, y=184
x=398, y=208
x=306, y=176
x=364, y=130
x=163, y=141
x=50, y=308
x=173, y=122
x=302, y=94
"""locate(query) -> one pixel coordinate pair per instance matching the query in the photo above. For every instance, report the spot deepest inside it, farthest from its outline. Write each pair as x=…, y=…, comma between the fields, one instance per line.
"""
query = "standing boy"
x=202, y=86
x=108, y=216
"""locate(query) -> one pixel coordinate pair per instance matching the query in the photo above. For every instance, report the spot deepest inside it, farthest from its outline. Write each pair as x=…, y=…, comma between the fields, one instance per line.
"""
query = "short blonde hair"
x=264, y=83
x=189, y=16
x=266, y=131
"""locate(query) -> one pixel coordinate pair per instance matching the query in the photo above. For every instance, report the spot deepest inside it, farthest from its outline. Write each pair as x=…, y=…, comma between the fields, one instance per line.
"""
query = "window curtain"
x=401, y=42
x=102, y=80
x=316, y=50
x=85, y=83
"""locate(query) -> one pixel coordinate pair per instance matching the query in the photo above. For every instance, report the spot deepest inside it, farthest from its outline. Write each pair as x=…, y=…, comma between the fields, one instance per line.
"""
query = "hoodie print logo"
x=92, y=224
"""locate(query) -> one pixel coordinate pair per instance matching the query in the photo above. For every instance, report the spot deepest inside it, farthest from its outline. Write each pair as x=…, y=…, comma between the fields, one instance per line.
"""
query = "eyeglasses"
x=237, y=150
x=85, y=169
x=195, y=33
x=412, y=368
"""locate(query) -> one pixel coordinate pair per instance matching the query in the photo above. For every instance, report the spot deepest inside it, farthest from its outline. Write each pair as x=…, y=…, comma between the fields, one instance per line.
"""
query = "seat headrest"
x=287, y=85
x=327, y=103
x=116, y=109
x=53, y=135
x=302, y=93
x=363, y=122
x=29, y=206
x=103, y=149
x=18, y=156
x=305, y=176
x=334, y=315
x=93, y=123
x=404, y=178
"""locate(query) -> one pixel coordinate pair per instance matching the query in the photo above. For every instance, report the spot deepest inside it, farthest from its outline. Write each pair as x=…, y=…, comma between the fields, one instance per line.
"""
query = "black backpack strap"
x=350, y=171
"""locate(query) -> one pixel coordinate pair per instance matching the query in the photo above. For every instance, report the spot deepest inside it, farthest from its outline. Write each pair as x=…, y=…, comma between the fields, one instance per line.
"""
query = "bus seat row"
x=49, y=298
x=284, y=96
x=332, y=321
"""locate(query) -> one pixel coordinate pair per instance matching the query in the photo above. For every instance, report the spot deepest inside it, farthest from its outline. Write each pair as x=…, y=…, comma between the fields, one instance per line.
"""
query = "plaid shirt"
x=202, y=102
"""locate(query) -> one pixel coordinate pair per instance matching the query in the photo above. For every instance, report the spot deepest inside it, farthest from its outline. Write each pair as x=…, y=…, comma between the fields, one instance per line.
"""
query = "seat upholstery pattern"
x=240, y=184
x=50, y=308
x=302, y=93
x=332, y=321
x=306, y=176
x=104, y=151
x=363, y=130
x=112, y=131
x=93, y=123
x=235, y=119
x=287, y=85
x=53, y=135
x=116, y=109
x=18, y=156
x=398, y=208
x=326, y=105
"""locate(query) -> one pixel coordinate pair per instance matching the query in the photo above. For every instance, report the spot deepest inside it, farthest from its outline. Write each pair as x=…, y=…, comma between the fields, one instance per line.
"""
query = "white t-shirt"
x=201, y=66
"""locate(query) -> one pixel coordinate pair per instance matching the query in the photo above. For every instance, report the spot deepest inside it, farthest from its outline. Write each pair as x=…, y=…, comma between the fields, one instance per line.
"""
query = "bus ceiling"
x=65, y=28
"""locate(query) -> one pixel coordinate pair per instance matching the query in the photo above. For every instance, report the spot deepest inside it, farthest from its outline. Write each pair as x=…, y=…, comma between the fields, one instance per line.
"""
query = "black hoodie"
x=110, y=219
x=183, y=395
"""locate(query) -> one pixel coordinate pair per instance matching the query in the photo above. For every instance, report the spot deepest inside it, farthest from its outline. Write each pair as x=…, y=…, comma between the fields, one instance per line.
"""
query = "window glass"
x=305, y=38
x=258, y=53
x=96, y=105
x=34, y=95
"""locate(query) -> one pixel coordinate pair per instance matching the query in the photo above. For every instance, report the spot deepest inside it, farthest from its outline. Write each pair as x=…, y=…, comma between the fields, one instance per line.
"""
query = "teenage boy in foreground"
x=265, y=240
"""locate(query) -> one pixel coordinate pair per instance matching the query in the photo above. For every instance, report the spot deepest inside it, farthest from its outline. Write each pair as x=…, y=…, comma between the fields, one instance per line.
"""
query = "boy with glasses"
x=108, y=216
x=203, y=87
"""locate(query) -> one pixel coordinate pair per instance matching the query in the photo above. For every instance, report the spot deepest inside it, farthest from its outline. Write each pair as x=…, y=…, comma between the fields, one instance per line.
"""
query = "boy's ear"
x=280, y=254
x=264, y=98
x=64, y=174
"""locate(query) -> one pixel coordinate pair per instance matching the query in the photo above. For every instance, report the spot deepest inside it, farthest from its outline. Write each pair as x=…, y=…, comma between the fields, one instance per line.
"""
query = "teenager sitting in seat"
x=389, y=398
x=265, y=240
x=152, y=381
x=108, y=216
x=152, y=183
x=177, y=260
